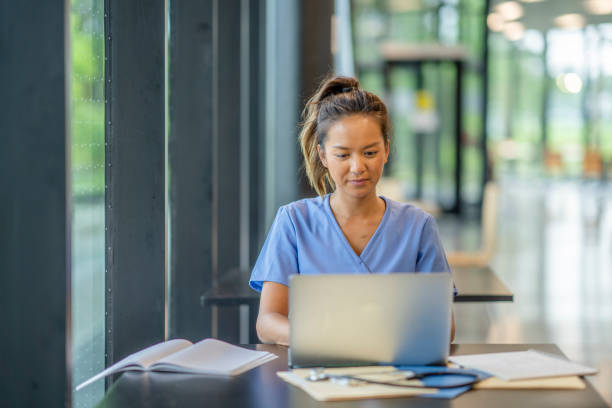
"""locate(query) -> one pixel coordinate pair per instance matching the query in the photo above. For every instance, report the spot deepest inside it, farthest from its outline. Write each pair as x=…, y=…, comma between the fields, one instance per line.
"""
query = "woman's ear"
x=386, y=151
x=322, y=155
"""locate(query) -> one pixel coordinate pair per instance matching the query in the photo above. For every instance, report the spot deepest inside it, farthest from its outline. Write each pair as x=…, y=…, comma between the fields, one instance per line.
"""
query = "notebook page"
x=150, y=355
x=522, y=365
x=214, y=357
x=142, y=359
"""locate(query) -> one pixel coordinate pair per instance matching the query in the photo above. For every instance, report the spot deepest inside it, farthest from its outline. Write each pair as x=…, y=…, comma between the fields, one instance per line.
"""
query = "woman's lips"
x=358, y=182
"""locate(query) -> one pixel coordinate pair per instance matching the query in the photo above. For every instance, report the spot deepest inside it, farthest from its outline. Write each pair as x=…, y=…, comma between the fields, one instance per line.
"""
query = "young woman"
x=345, y=143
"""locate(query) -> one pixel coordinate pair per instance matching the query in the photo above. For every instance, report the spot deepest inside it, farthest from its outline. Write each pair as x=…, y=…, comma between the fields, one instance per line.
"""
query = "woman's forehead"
x=354, y=131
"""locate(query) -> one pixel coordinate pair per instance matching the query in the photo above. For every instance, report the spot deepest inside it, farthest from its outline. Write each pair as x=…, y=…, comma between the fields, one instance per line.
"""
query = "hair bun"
x=338, y=85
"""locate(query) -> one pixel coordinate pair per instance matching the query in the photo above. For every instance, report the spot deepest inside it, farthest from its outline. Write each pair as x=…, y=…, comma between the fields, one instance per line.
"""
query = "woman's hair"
x=336, y=98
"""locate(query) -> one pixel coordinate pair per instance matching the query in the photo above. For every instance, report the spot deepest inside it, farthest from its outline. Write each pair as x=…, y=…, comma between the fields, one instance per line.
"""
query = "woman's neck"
x=347, y=206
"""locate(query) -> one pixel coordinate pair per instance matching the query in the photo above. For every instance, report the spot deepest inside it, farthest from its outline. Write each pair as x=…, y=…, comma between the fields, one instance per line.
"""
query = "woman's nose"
x=357, y=165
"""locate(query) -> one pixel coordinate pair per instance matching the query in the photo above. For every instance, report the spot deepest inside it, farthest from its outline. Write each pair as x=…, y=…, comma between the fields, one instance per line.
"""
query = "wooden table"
x=261, y=387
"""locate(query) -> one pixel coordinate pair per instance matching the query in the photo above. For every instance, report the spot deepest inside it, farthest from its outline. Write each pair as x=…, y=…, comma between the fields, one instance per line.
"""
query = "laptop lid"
x=348, y=319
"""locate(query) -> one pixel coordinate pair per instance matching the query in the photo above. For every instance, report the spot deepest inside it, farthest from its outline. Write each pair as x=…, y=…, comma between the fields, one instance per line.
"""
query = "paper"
x=330, y=391
x=559, y=383
x=212, y=356
x=521, y=365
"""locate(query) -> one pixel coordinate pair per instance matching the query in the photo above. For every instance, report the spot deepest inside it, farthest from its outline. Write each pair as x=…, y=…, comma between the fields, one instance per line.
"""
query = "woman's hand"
x=273, y=321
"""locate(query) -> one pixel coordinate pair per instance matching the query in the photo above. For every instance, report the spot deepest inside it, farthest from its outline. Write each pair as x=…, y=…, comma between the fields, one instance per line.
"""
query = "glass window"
x=87, y=171
x=425, y=117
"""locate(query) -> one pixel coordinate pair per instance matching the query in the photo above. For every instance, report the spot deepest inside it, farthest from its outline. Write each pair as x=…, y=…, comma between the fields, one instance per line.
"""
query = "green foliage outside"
x=87, y=97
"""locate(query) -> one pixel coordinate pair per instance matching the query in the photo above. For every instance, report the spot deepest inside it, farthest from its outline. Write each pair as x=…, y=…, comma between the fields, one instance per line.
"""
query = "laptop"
x=348, y=319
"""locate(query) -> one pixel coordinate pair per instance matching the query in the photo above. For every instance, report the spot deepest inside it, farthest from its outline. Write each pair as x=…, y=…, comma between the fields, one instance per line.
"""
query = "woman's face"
x=355, y=154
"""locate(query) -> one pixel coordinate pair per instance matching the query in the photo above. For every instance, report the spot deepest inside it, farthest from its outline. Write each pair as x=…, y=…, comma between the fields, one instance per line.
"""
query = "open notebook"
x=210, y=356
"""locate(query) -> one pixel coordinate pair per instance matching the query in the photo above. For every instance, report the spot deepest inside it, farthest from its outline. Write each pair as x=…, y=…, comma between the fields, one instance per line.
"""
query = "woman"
x=345, y=144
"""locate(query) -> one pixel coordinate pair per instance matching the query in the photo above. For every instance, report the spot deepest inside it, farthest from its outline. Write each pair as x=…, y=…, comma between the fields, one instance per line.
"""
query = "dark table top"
x=474, y=284
x=261, y=387
x=480, y=284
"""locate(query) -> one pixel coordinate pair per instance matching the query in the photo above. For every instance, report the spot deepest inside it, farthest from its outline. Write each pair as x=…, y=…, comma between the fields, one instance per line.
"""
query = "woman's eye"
x=371, y=153
x=342, y=156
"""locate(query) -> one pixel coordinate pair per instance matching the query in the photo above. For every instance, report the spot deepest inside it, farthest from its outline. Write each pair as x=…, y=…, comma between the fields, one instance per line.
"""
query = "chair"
x=592, y=165
x=483, y=256
x=553, y=162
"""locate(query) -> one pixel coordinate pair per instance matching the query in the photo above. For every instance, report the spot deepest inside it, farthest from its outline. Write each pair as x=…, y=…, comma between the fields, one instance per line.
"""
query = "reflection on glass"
x=87, y=171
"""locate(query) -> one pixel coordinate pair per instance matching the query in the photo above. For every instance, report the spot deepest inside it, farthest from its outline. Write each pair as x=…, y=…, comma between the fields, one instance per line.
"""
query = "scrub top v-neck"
x=361, y=259
x=305, y=238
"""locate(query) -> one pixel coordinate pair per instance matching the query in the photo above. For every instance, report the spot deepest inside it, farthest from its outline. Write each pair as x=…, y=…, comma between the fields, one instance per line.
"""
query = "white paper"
x=140, y=360
x=521, y=365
x=212, y=356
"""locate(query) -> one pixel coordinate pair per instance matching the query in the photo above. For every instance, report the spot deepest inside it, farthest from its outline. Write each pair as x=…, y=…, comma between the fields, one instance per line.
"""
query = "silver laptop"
x=398, y=318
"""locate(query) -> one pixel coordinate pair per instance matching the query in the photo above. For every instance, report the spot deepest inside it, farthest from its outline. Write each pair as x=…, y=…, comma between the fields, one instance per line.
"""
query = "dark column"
x=227, y=163
x=34, y=207
x=256, y=126
x=387, y=98
x=419, y=137
x=282, y=105
x=458, y=136
x=486, y=166
x=216, y=106
x=190, y=163
x=587, y=97
x=135, y=185
x=513, y=88
x=545, y=97
x=315, y=58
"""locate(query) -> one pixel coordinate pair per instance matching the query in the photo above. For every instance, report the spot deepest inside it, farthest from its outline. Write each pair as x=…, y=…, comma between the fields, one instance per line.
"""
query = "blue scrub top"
x=305, y=238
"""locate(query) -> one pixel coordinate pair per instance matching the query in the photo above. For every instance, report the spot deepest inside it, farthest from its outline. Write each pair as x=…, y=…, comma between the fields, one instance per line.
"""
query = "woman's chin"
x=359, y=191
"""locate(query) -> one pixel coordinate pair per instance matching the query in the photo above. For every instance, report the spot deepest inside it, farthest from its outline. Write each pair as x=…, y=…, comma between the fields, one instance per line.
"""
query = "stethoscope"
x=318, y=374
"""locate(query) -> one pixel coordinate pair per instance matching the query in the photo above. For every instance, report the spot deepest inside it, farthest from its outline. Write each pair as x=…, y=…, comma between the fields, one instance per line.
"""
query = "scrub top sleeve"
x=432, y=257
x=278, y=257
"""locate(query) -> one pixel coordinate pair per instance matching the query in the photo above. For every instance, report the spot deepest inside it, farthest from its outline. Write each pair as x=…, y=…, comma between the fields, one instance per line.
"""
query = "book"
x=209, y=356
x=522, y=365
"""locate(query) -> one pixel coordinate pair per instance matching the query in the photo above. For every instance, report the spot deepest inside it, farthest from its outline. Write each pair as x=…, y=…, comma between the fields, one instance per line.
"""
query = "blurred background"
x=513, y=94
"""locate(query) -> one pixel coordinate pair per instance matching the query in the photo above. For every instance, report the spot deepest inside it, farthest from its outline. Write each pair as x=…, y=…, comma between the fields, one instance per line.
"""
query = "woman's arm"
x=272, y=321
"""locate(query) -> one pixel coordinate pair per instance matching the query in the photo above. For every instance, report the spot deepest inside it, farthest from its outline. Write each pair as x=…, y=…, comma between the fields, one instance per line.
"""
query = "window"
x=87, y=171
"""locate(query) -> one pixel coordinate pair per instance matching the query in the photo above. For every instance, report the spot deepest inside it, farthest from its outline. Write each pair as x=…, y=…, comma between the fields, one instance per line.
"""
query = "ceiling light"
x=495, y=22
x=573, y=83
x=598, y=6
x=570, y=21
x=561, y=83
x=569, y=82
x=514, y=31
x=510, y=10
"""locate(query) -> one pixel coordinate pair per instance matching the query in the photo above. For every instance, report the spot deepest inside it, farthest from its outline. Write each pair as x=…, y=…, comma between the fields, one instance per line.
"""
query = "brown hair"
x=336, y=98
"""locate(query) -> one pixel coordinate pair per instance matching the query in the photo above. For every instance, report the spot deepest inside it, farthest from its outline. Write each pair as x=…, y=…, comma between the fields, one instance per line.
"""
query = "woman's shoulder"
x=406, y=212
x=305, y=209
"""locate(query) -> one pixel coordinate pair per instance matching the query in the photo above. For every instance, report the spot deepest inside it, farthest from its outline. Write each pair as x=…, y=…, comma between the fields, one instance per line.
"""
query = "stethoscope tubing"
x=474, y=379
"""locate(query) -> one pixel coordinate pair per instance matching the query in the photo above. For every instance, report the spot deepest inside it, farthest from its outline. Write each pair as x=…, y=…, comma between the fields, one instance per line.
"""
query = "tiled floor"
x=554, y=251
